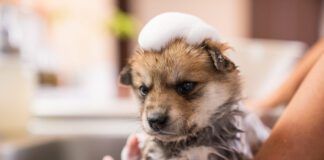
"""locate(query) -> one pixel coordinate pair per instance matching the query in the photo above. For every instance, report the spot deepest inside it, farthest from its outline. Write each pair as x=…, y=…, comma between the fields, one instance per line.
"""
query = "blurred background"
x=60, y=59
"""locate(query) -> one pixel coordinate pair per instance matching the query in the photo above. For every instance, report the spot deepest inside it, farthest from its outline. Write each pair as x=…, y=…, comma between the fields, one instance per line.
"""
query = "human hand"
x=131, y=150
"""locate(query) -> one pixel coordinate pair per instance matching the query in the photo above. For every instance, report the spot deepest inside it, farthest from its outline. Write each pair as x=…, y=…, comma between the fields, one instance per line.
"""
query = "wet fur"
x=207, y=117
x=221, y=135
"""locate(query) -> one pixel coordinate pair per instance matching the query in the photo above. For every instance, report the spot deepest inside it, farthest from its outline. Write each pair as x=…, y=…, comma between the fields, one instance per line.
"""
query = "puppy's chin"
x=169, y=138
x=168, y=134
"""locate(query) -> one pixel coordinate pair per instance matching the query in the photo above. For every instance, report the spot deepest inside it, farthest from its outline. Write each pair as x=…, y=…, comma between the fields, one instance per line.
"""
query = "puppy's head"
x=181, y=86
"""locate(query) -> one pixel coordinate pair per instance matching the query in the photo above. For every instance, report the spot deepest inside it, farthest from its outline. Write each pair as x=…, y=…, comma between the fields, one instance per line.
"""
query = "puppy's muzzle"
x=157, y=121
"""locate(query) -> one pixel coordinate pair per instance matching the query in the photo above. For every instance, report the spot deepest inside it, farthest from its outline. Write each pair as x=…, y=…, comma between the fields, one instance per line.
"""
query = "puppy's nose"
x=157, y=121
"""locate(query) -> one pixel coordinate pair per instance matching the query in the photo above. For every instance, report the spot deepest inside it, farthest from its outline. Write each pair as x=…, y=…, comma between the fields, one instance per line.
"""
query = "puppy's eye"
x=185, y=87
x=143, y=90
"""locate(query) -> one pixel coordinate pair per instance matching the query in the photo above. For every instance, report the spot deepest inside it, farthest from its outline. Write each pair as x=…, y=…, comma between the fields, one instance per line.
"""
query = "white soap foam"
x=160, y=30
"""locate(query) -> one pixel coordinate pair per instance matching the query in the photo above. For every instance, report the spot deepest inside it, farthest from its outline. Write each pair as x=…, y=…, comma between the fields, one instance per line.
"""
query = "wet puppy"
x=190, y=103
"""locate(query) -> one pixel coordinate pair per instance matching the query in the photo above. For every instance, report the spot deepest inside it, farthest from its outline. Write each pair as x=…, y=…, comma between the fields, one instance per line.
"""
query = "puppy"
x=190, y=97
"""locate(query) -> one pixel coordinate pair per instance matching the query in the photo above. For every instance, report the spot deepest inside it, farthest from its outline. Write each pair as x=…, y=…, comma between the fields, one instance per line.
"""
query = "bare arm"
x=284, y=93
x=298, y=135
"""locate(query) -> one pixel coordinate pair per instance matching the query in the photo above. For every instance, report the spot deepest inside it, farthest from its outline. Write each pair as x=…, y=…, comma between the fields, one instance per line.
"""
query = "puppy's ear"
x=215, y=50
x=126, y=76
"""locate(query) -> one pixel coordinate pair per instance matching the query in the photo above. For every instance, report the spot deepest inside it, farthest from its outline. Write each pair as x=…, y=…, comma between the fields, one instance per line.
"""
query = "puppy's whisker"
x=167, y=133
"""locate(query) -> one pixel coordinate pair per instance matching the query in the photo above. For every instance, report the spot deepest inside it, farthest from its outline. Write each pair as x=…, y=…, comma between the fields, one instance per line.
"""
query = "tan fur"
x=204, y=123
x=161, y=71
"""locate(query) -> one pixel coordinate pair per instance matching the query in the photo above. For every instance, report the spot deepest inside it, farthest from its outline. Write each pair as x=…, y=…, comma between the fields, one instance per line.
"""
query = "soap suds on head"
x=160, y=30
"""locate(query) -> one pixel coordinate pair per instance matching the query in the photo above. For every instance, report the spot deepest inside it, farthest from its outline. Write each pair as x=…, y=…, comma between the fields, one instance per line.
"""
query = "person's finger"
x=107, y=158
x=131, y=151
x=133, y=145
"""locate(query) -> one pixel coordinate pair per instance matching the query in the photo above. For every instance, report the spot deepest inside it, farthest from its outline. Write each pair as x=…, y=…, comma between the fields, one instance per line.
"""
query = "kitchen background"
x=60, y=59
